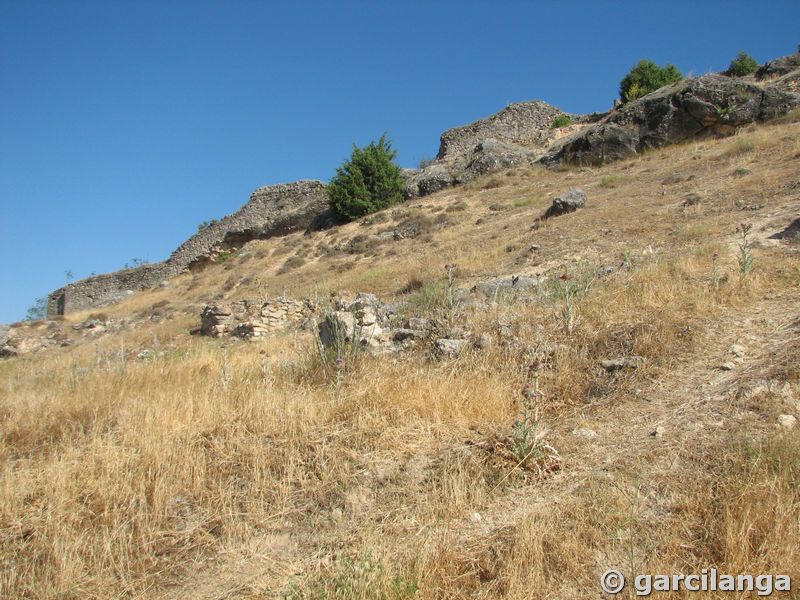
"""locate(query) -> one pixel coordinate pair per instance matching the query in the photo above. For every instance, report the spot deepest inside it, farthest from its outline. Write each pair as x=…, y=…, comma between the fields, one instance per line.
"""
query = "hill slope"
x=142, y=461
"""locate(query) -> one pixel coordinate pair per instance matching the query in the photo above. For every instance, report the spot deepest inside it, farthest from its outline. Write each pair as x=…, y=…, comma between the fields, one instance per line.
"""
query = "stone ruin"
x=254, y=318
x=379, y=327
x=272, y=210
x=519, y=135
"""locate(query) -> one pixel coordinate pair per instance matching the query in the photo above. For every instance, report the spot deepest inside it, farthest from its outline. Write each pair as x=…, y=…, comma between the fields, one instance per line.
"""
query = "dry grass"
x=245, y=470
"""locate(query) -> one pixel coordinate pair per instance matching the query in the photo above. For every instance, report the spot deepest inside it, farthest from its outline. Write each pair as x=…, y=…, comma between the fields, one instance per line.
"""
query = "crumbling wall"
x=522, y=123
x=272, y=210
x=255, y=317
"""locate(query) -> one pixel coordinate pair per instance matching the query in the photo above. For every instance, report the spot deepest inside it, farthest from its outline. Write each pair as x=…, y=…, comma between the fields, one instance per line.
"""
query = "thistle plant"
x=714, y=270
x=566, y=290
x=340, y=349
x=449, y=301
x=527, y=435
x=745, y=255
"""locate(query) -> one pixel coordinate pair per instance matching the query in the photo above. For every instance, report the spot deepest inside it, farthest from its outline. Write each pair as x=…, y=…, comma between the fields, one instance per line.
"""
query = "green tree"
x=743, y=64
x=368, y=182
x=647, y=77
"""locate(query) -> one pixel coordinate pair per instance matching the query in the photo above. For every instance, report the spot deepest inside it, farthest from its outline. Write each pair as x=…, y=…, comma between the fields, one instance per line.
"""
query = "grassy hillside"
x=223, y=469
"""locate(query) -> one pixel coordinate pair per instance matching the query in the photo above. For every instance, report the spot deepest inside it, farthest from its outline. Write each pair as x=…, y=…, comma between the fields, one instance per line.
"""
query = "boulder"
x=627, y=362
x=429, y=180
x=450, y=348
x=566, y=203
x=503, y=287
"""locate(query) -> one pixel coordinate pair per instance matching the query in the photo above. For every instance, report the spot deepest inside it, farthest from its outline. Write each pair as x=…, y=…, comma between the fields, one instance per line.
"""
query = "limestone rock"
x=421, y=324
x=484, y=342
x=787, y=421
x=450, y=348
x=272, y=210
x=628, y=362
x=566, y=203
x=504, y=287
x=585, y=432
x=8, y=351
x=492, y=155
x=429, y=180
x=519, y=123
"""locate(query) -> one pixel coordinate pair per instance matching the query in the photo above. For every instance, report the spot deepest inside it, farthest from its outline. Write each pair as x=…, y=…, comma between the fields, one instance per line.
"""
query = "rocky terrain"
x=518, y=136
x=500, y=389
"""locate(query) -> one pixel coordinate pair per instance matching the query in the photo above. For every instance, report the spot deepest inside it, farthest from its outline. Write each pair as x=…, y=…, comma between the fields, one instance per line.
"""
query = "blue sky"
x=126, y=124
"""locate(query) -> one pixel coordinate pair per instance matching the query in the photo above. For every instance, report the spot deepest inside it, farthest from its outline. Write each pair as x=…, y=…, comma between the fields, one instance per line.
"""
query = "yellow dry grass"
x=251, y=470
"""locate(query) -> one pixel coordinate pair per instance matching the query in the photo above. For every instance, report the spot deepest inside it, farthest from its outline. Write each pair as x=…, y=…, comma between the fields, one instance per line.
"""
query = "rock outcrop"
x=272, y=210
x=524, y=123
x=514, y=137
x=778, y=67
x=709, y=105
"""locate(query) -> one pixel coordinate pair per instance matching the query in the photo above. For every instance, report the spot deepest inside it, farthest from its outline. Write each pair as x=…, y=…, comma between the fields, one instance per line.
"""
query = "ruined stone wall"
x=253, y=318
x=106, y=289
x=523, y=123
x=272, y=210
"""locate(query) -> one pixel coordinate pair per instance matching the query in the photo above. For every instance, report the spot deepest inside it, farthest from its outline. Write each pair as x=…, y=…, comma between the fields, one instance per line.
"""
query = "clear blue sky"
x=125, y=124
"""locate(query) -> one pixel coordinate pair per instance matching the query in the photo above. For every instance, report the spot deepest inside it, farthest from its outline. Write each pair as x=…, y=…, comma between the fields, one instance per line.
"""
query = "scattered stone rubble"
x=380, y=327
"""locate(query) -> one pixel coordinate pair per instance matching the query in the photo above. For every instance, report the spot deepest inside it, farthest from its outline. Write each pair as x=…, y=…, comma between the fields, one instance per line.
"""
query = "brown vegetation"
x=247, y=470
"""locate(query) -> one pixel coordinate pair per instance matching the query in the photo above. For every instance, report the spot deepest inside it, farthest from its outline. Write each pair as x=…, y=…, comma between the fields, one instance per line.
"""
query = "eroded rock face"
x=779, y=67
x=487, y=156
x=501, y=141
x=492, y=155
x=709, y=105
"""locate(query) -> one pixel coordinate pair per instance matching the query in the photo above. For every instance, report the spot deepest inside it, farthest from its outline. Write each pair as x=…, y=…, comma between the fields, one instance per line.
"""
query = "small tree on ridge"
x=743, y=64
x=647, y=77
x=368, y=182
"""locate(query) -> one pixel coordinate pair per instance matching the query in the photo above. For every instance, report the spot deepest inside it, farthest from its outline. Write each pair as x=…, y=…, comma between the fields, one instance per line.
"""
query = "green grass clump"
x=561, y=121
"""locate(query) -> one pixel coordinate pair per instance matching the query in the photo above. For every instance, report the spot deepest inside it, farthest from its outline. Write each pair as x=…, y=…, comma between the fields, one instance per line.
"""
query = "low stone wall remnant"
x=272, y=210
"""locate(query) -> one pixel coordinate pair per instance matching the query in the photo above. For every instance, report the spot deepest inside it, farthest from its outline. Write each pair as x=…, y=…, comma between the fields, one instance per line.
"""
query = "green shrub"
x=368, y=182
x=205, y=224
x=647, y=77
x=561, y=121
x=743, y=64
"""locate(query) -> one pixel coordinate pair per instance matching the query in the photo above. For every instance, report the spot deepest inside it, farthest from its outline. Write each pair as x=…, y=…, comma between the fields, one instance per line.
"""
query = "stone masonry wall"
x=254, y=318
x=272, y=210
x=522, y=123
